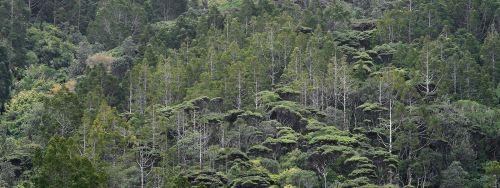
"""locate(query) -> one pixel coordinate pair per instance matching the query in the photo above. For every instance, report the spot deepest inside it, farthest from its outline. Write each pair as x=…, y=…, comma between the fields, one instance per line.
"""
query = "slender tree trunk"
x=409, y=176
x=335, y=81
x=325, y=184
x=409, y=21
x=222, y=142
x=154, y=128
x=211, y=66
x=344, y=85
x=273, y=73
x=390, y=125
x=84, y=139
x=130, y=92
x=427, y=73
x=496, y=182
x=493, y=62
x=239, y=90
x=200, y=153
x=11, y=14
x=380, y=92
x=455, y=77
x=178, y=137
x=469, y=8
x=166, y=79
x=239, y=136
x=256, y=85
x=141, y=166
x=54, y=8
x=429, y=21
x=79, y=14
x=227, y=29
x=391, y=129
x=145, y=84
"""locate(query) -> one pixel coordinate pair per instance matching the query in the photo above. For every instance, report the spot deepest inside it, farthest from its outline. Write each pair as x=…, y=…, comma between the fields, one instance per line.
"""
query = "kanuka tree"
x=165, y=9
x=115, y=21
x=14, y=21
x=60, y=165
x=5, y=74
x=322, y=158
x=489, y=54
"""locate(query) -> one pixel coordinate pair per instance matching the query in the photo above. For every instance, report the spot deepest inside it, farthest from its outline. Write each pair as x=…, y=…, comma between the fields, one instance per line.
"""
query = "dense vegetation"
x=249, y=93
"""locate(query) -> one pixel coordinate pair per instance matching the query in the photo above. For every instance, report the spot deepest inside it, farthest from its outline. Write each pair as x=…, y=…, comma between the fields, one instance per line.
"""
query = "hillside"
x=249, y=93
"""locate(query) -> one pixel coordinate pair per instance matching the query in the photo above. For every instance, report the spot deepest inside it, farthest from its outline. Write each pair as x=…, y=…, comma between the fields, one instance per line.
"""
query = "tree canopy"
x=249, y=93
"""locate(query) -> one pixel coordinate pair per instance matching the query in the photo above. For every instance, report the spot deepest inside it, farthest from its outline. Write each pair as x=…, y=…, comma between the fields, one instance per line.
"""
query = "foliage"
x=59, y=165
x=249, y=93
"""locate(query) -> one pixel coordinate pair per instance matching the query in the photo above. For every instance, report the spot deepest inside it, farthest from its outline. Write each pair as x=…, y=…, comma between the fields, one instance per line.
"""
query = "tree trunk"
x=496, y=182
x=324, y=179
x=238, y=102
x=273, y=73
x=390, y=125
x=409, y=21
x=493, y=62
x=455, y=77
x=380, y=92
x=344, y=85
x=427, y=73
x=130, y=92
x=256, y=89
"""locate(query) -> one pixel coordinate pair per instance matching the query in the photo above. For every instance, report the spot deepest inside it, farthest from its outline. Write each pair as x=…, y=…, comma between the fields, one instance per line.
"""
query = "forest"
x=250, y=93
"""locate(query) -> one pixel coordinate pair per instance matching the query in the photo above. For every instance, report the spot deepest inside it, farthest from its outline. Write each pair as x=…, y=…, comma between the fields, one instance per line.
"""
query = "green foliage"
x=40, y=78
x=206, y=179
x=165, y=10
x=25, y=108
x=60, y=165
x=454, y=175
x=5, y=74
x=268, y=97
x=492, y=168
x=372, y=107
x=116, y=20
x=298, y=177
x=331, y=135
x=251, y=181
x=14, y=19
x=249, y=93
x=51, y=46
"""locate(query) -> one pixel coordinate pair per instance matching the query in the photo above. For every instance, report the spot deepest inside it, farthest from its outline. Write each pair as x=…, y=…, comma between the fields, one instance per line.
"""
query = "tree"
x=322, y=158
x=492, y=168
x=329, y=146
x=335, y=16
x=248, y=10
x=392, y=86
x=105, y=136
x=5, y=74
x=66, y=13
x=15, y=159
x=115, y=21
x=454, y=176
x=63, y=113
x=28, y=109
x=98, y=79
x=165, y=9
x=59, y=165
x=298, y=177
x=14, y=16
x=429, y=65
x=237, y=73
x=51, y=46
x=341, y=83
x=489, y=54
